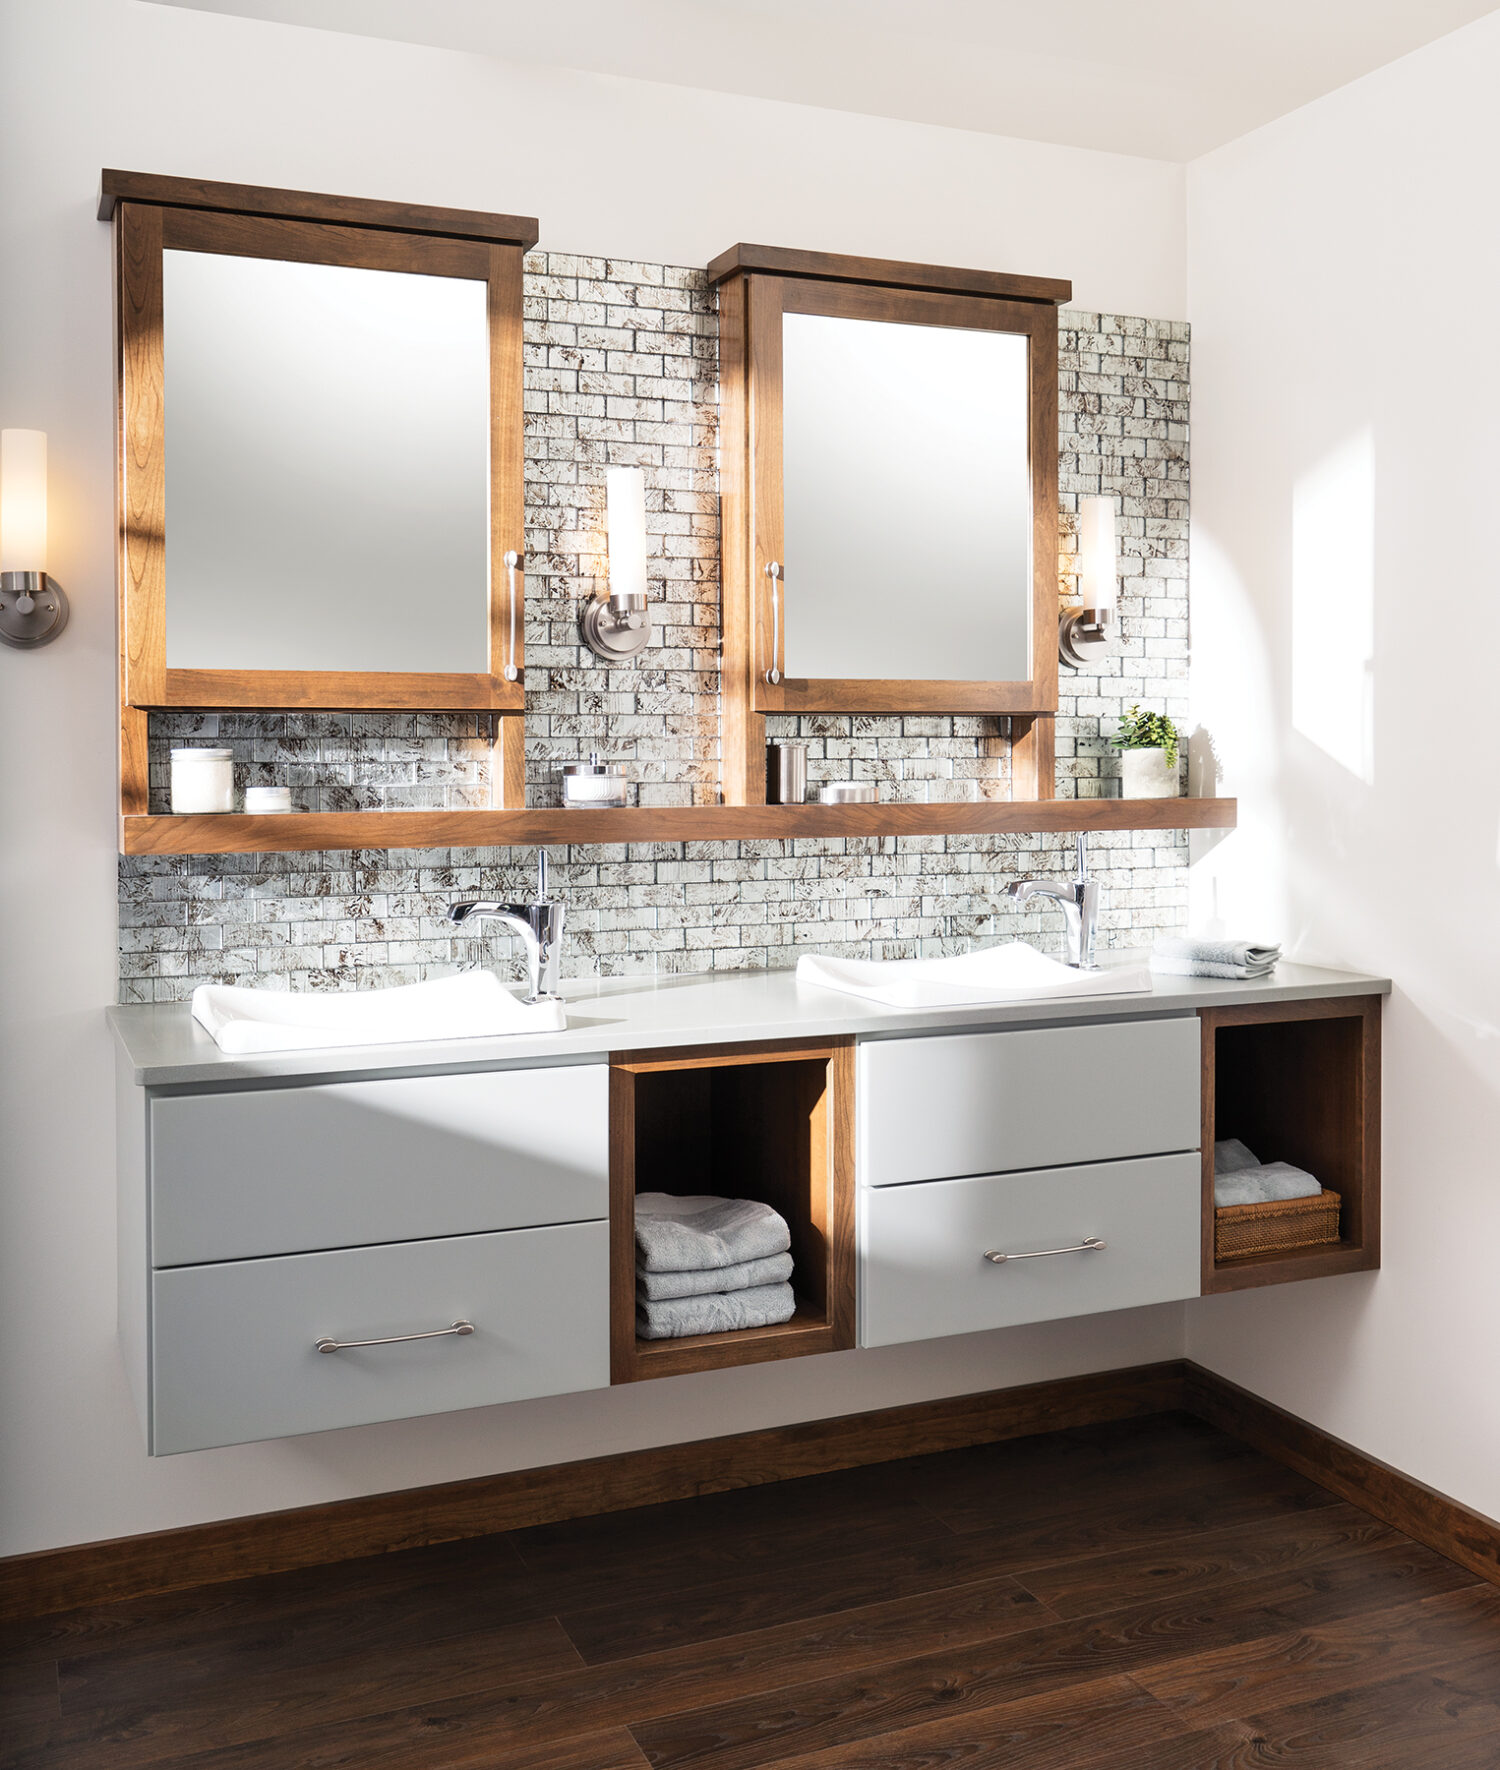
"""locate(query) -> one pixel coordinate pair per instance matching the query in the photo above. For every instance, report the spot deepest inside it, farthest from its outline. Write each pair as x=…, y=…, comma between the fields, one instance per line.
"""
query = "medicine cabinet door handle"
x=512, y=560
x=774, y=573
x=1090, y=1244
x=459, y=1327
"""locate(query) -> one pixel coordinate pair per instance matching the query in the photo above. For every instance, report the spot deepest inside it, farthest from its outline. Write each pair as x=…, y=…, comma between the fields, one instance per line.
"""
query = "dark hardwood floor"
x=1150, y=1595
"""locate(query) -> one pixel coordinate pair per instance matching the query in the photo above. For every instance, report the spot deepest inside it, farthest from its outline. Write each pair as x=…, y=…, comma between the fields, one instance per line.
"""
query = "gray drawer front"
x=234, y=1347
x=988, y=1103
x=282, y=1170
x=922, y=1267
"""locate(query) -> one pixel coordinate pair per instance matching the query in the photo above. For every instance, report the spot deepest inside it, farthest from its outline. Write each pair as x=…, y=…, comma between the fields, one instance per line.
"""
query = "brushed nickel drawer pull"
x=459, y=1327
x=1090, y=1244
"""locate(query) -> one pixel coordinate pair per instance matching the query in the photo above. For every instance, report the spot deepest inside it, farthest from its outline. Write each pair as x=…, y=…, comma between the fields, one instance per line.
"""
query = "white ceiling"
x=1166, y=78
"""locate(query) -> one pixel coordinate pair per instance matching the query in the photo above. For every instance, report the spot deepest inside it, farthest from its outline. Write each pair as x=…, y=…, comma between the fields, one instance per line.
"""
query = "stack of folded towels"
x=709, y=1266
x=1239, y=1179
x=1198, y=957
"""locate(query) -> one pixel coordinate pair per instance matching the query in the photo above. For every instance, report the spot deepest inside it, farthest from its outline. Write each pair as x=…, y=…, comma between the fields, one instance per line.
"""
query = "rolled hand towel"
x=658, y=1286
x=1188, y=956
x=703, y=1234
x=718, y=1313
x=1232, y=1155
x=1259, y=1186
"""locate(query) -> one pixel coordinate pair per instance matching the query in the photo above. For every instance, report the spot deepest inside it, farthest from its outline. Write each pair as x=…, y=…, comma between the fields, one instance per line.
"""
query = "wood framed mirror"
x=321, y=474
x=889, y=483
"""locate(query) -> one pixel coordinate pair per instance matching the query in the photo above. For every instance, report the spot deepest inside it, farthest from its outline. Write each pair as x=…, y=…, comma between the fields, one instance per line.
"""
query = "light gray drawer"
x=275, y=1171
x=923, y=1271
x=987, y=1103
x=233, y=1348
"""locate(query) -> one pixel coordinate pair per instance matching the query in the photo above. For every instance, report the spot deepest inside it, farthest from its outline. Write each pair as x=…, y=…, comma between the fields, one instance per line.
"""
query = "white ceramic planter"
x=1144, y=775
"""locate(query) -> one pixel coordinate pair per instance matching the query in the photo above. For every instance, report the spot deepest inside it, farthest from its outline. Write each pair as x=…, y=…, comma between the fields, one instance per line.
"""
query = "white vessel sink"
x=472, y=1005
x=1013, y=972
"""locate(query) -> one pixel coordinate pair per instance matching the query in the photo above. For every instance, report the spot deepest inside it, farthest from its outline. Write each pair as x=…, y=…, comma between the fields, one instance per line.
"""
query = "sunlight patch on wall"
x=1333, y=605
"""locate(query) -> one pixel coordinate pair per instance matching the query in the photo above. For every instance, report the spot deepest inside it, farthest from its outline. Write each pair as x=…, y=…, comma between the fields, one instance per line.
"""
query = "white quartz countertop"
x=167, y=1048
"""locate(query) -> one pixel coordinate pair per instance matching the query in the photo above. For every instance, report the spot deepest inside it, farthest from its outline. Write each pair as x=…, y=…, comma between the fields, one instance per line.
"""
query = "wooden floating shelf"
x=232, y=833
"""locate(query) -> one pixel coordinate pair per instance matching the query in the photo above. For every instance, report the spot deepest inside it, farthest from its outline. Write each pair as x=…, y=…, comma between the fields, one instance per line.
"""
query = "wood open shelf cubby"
x=1298, y=1082
x=770, y=1122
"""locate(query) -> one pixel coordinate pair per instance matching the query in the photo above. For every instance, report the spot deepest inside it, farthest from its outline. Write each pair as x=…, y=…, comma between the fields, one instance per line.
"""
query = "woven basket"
x=1243, y=1230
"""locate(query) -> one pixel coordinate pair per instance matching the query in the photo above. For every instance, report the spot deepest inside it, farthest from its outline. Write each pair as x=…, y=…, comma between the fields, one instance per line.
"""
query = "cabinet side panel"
x=132, y=1234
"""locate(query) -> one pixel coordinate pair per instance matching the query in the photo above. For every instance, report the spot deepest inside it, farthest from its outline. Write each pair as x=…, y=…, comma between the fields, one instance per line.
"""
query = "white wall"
x=1344, y=271
x=611, y=167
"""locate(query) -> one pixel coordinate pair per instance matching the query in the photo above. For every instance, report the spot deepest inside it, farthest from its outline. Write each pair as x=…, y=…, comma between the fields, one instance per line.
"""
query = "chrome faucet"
x=1077, y=898
x=538, y=924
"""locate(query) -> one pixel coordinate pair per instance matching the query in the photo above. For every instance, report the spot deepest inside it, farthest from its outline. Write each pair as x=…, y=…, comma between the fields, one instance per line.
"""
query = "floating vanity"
x=468, y=1207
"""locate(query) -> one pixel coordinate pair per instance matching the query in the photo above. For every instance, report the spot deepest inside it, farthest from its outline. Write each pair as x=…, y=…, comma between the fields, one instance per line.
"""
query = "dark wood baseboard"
x=1408, y=1505
x=272, y=1542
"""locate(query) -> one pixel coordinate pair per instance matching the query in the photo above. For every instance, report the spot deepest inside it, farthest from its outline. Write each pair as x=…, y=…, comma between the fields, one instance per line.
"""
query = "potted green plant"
x=1147, y=743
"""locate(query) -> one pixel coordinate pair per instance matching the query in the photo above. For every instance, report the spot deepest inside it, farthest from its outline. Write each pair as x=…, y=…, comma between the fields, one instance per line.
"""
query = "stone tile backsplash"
x=622, y=371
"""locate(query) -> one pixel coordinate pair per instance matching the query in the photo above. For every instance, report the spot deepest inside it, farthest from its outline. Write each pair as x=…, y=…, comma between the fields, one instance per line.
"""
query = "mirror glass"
x=327, y=454
x=907, y=496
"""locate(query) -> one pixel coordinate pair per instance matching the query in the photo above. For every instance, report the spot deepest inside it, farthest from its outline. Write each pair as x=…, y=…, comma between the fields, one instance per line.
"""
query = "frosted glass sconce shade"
x=32, y=608
x=1083, y=631
x=621, y=627
x=23, y=500
x=625, y=494
x=1098, y=562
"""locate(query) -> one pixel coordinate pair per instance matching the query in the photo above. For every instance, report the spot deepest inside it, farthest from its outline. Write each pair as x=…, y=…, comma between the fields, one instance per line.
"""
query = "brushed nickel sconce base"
x=33, y=609
x=615, y=633
x=1083, y=635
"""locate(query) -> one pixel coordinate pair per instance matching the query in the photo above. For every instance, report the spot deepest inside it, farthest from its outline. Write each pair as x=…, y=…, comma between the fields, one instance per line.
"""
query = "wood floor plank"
x=553, y=1710
x=1295, y=1665
x=884, y=1700
x=638, y=1621
x=1439, y=1721
x=171, y=1661
x=1059, y=1730
x=29, y=1704
x=235, y=1610
x=1127, y=1461
x=93, y=1737
x=746, y=1519
x=1099, y=1583
x=736, y=1736
x=431, y=1748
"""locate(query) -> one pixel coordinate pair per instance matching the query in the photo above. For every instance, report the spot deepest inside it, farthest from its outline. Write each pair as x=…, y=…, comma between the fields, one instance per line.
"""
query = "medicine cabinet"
x=321, y=483
x=889, y=485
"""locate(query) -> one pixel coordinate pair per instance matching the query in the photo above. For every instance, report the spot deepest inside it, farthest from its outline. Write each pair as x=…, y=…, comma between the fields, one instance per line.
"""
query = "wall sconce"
x=621, y=627
x=1083, y=630
x=32, y=608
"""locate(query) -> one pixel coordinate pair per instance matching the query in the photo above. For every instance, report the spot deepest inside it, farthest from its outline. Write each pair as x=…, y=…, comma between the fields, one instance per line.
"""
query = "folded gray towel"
x=1232, y=1155
x=746, y=1276
x=719, y=1313
x=1259, y=1186
x=1176, y=956
x=703, y=1234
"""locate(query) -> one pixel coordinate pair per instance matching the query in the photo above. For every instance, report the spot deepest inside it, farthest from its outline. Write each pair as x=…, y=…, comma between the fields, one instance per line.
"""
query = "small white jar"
x=268, y=801
x=593, y=783
x=202, y=781
x=1144, y=775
